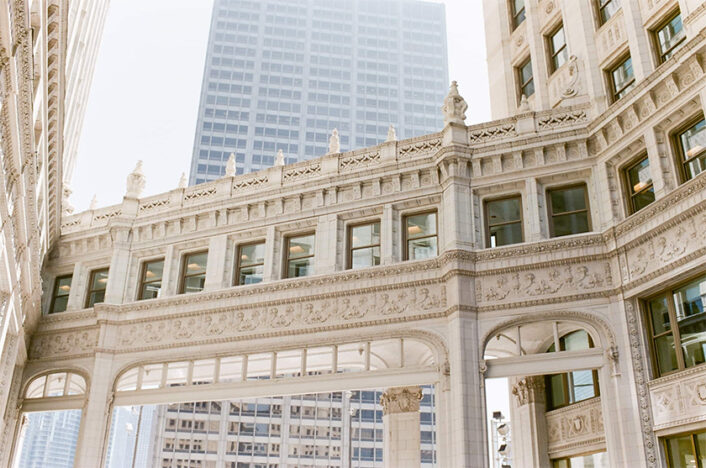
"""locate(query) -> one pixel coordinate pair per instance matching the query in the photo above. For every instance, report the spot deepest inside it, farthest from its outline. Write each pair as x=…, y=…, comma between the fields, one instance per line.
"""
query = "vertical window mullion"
x=675, y=331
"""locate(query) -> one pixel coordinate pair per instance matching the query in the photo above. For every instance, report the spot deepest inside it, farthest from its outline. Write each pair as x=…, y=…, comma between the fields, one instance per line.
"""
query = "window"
x=96, y=287
x=669, y=37
x=151, y=279
x=594, y=460
x=251, y=263
x=607, y=9
x=420, y=236
x=639, y=185
x=60, y=296
x=568, y=211
x=193, y=272
x=300, y=256
x=518, y=12
x=622, y=79
x=686, y=450
x=557, y=49
x=571, y=387
x=678, y=327
x=691, y=143
x=525, y=79
x=504, y=221
x=364, y=245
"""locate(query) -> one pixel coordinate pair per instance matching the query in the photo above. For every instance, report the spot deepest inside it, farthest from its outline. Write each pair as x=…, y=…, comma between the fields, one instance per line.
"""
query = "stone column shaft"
x=401, y=438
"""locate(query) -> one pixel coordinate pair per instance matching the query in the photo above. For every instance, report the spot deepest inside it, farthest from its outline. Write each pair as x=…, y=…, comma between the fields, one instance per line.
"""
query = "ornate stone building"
x=561, y=246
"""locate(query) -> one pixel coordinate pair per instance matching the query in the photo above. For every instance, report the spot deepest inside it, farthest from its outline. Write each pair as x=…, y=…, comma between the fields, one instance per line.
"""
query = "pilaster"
x=118, y=271
x=216, y=263
x=529, y=425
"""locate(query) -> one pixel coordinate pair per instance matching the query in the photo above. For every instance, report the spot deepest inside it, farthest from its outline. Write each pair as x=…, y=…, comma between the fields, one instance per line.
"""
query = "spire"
x=334, y=143
x=454, y=107
x=230, y=166
x=391, y=133
x=279, y=160
x=182, y=181
x=66, y=206
x=94, y=203
x=135, y=182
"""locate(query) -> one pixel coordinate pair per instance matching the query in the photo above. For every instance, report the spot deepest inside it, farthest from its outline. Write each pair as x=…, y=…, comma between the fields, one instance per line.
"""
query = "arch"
x=55, y=389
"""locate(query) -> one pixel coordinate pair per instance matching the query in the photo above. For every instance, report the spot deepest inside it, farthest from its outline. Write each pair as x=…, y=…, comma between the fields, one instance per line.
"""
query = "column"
x=660, y=169
x=325, y=244
x=529, y=425
x=271, y=269
x=401, y=437
x=76, y=293
x=216, y=264
x=455, y=220
x=118, y=272
x=532, y=217
x=388, y=232
x=639, y=42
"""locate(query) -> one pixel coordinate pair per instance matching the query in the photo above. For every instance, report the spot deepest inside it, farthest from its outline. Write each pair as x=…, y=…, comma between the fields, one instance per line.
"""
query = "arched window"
x=571, y=387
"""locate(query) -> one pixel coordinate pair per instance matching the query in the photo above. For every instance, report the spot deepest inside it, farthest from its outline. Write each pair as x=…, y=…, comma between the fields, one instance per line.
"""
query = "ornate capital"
x=401, y=400
x=529, y=390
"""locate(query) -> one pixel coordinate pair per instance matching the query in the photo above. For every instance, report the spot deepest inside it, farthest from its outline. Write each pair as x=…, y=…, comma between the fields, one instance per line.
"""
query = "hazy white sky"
x=145, y=93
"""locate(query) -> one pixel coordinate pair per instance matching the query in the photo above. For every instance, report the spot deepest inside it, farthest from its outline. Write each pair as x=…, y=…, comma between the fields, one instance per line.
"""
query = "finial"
x=279, y=160
x=135, y=182
x=94, y=203
x=454, y=107
x=391, y=133
x=524, y=104
x=334, y=143
x=230, y=166
x=182, y=181
x=66, y=207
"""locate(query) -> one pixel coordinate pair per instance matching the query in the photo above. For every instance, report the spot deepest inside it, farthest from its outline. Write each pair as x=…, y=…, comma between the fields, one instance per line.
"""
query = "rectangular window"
x=639, y=185
x=518, y=12
x=691, y=144
x=151, y=279
x=364, y=245
x=60, y=296
x=686, y=450
x=568, y=211
x=607, y=9
x=678, y=327
x=597, y=460
x=96, y=287
x=193, y=272
x=251, y=263
x=504, y=221
x=420, y=236
x=557, y=49
x=525, y=79
x=300, y=256
x=669, y=37
x=622, y=79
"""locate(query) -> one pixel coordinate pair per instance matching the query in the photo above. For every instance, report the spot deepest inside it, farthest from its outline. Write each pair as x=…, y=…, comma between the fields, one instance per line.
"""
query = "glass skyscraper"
x=282, y=74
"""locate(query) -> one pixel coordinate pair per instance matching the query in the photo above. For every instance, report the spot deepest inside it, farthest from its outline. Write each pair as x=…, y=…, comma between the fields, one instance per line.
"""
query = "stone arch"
x=31, y=378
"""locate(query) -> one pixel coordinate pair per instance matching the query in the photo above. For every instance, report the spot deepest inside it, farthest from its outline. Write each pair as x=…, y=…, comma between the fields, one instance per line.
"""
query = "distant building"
x=50, y=439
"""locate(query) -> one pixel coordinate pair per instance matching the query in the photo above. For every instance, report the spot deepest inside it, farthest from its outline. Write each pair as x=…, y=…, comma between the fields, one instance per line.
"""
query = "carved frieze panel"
x=71, y=343
x=579, y=424
x=679, y=399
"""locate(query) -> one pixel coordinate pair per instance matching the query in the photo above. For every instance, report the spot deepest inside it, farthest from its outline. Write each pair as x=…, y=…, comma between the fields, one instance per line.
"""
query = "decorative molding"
x=579, y=424
x=401, y=400
x=529, y=390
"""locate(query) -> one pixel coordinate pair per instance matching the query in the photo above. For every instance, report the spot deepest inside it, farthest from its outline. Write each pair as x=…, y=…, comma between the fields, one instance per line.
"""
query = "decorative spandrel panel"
x=575, y=426
x=679, y=398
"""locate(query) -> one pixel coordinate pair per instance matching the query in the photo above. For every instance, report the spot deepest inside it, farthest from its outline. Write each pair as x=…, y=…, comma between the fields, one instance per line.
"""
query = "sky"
x=144, y=98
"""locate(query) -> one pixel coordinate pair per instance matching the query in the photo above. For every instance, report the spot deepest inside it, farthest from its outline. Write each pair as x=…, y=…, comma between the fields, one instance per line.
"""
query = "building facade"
x=281, y=75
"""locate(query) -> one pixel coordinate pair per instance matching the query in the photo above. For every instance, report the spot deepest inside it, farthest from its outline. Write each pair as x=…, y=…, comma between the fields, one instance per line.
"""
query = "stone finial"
x=94, y=203
x=66, y=207
x=135, y=182
x=401, y=400
x=230, y=166
x=279, y=160
x=454, y=107
x=391, y=133
x=334, y=142
x=524, y=104
x=182, y=181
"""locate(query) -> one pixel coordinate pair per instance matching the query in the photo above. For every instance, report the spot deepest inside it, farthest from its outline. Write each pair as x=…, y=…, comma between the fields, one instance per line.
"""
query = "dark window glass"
x=151, y=282
x=692, y=145
x=60, y=296
x=420, y=232
x=557, y=48
x=504, y=220
x=251, y=263
x=193, y=272
x=96, y=287
x=526, y=80
x=571, y=387
x=300, y=256
x=607, y=9
x=364, y=242
x=622, y=78
x=518, y=12
x=670, y=37
x=569, y=211
x=639, y=185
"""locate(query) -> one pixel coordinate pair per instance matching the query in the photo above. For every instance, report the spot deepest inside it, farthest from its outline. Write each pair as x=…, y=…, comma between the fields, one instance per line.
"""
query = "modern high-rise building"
x=50, y=439
x=282, y=74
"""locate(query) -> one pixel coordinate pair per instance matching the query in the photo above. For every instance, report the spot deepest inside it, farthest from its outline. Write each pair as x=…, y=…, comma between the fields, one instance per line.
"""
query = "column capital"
x=529, y=390
x=401, y=400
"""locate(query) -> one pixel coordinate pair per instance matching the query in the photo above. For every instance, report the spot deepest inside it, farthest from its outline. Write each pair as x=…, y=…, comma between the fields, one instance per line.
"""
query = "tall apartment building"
x=282, y=74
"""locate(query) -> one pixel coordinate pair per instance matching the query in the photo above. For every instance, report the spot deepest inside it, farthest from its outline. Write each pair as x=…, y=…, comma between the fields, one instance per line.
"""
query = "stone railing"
x=578, y=427
x=679, y=398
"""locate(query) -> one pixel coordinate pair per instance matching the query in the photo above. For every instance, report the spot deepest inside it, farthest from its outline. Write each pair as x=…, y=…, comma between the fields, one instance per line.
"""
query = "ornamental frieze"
x=576, y=424
x=679, y=398
x=74, y=342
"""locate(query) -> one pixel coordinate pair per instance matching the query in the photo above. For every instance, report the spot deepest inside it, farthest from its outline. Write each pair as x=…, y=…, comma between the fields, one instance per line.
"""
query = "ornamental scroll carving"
x=576, y=424
x=401, y=400
x=529, y=390
x=550, y=281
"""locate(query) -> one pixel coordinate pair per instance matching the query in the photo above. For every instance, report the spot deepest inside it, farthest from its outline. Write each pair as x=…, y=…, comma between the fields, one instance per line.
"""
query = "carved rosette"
x=529, y=390
x=401, y=400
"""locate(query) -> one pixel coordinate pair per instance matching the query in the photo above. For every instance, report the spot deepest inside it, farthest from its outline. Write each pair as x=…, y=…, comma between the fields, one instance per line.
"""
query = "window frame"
x=518, y=76
x=679, y=150
x=287, y=239
x=143, y=270
x=349, y=241
x=54, y=295
x=90, y=291
x=599, y=11
x=487, y=218
x=550, y=208
x=654, y=32
x=627, y=188
x=550, y=47
x=405, y=236
x=565, y=377
x=692, y=437
x=182, y=270
x=611, y=69
x=238, y=266
x=514, y=14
